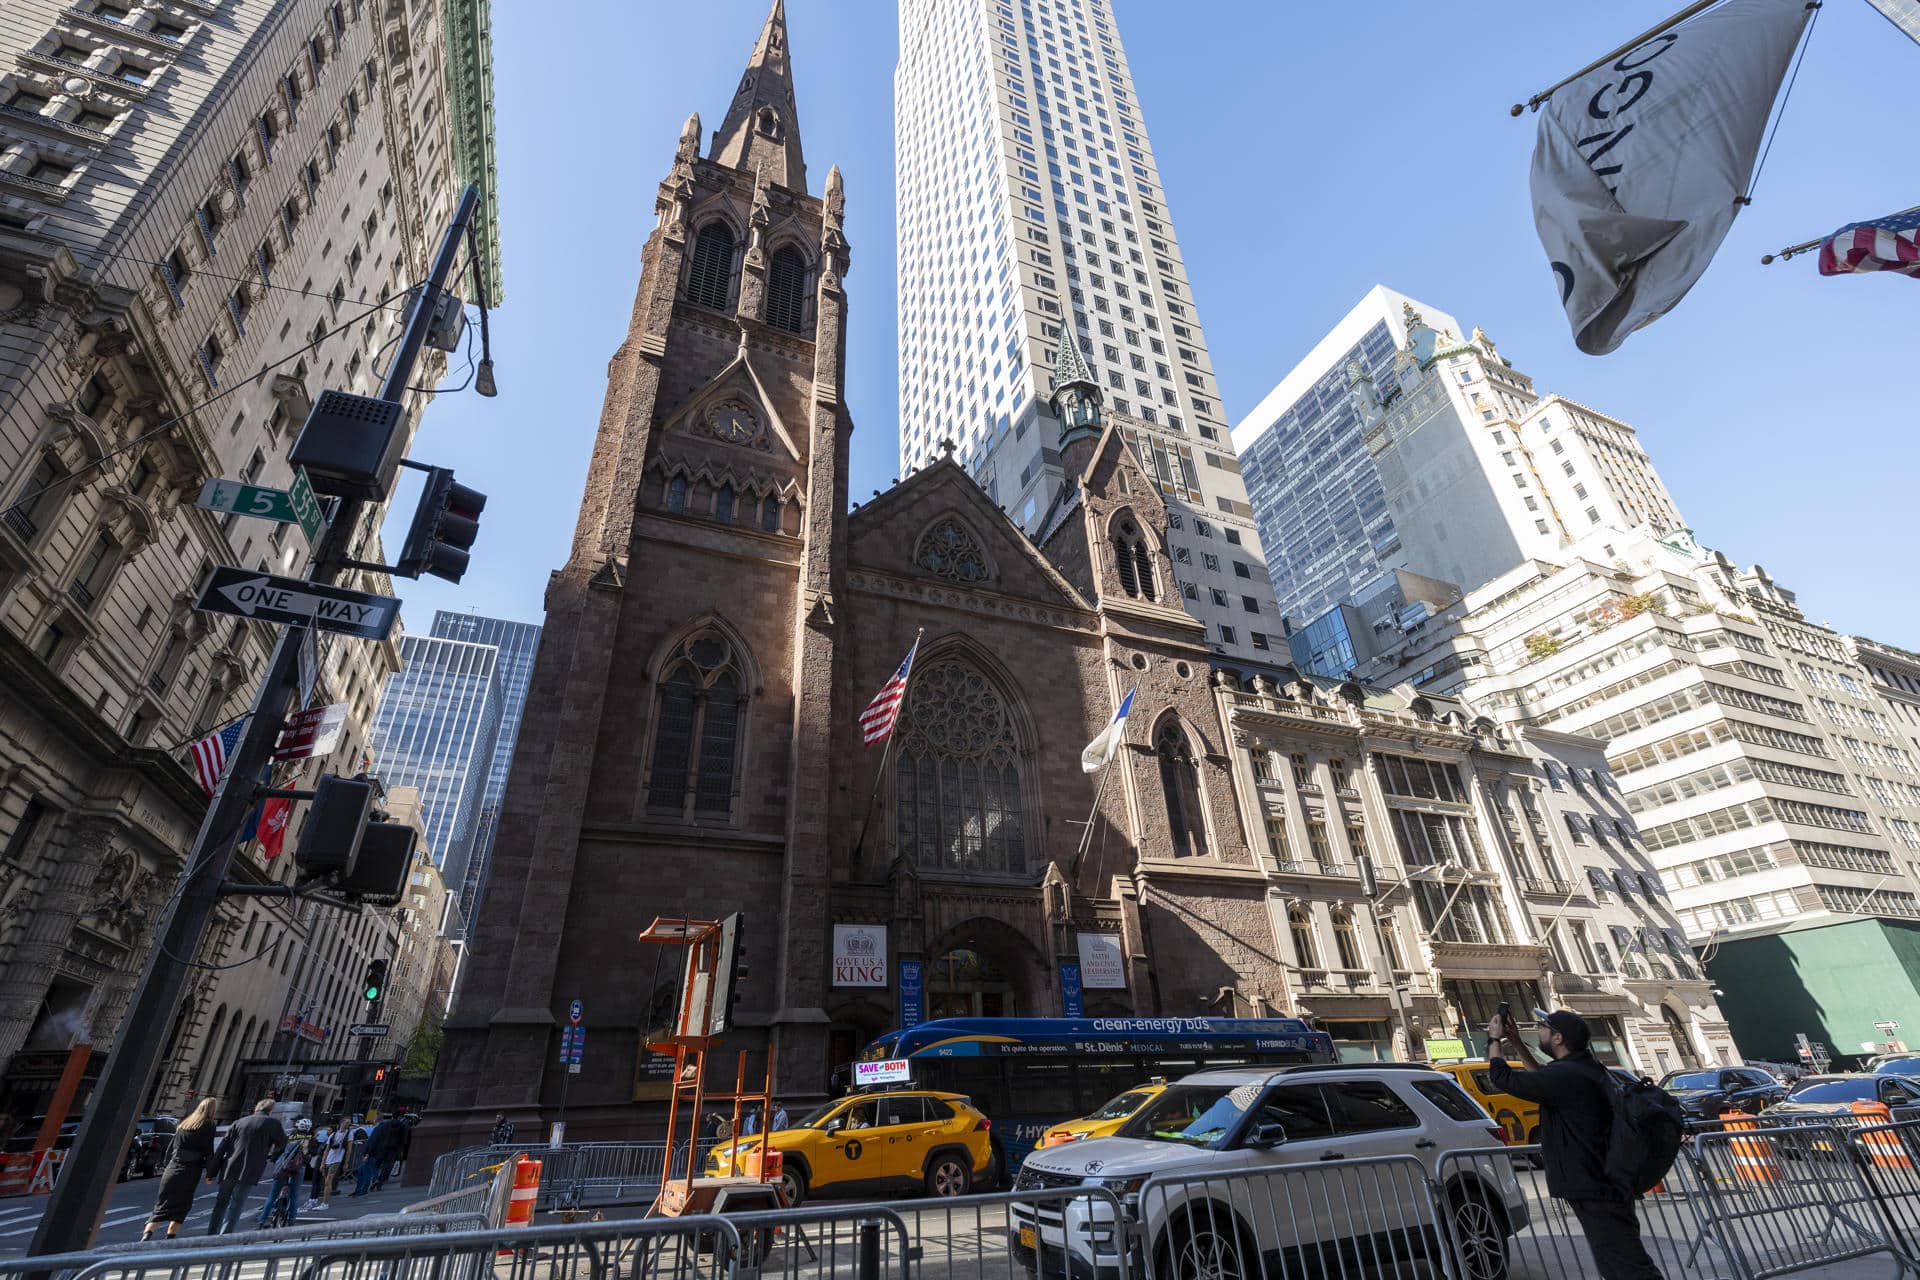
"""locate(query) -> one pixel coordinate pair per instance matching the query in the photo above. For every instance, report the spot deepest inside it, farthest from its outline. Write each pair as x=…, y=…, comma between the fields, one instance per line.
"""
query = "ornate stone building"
x=691, y=745
x=208, y=213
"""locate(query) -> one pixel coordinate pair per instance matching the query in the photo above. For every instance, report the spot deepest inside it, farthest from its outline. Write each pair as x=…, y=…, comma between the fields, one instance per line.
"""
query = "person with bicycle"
x=283, y=1197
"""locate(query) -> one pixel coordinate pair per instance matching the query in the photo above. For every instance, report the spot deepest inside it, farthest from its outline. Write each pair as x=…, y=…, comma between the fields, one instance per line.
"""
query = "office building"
x=1400, y=444
x=518, y=643
x=189, y=193
x=1029, y=199
x=438, y=723
x=1772, y=784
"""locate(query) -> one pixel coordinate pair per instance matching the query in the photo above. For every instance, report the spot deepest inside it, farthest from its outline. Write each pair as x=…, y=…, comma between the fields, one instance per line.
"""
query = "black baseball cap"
x=1572, y=1028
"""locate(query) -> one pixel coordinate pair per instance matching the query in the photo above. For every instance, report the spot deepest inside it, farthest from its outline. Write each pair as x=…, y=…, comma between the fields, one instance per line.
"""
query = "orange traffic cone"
x=526, y=1190
x=1753, y=1159
x=1882, y=1148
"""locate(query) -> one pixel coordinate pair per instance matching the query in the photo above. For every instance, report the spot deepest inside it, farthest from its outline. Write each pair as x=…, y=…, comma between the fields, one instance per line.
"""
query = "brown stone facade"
x=692, y=746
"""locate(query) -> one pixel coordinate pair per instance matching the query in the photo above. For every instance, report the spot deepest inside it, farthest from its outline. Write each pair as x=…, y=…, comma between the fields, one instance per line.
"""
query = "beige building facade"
x=208, y=214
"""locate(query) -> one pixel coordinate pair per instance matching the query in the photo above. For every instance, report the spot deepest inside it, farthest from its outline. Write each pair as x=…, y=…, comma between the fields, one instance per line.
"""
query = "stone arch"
x=704, y=679
x=1134, y=551
x=949, y=546
x=965, y=784
x=708, y=273
x=1021, y=968
x=1181, y=788
x=791, y=273
x=1677, y=1021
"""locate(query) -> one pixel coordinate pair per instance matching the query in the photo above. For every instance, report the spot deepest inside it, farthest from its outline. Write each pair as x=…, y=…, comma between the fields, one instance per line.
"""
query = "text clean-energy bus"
x=1027, y=1074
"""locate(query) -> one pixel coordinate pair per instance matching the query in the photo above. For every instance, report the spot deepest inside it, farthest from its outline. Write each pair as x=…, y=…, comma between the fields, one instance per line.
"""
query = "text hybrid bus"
x=1028, y=1074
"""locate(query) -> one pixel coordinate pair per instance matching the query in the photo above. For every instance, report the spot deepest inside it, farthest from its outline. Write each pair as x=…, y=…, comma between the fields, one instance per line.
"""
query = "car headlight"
x=1123, y=1187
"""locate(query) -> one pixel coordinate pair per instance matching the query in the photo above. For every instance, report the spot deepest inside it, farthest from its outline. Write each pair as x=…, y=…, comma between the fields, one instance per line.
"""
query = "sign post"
x=573, y=1046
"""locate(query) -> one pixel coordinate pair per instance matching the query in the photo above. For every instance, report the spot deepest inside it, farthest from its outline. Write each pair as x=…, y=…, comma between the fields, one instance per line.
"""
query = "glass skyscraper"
x=1029, y=198
x=436, y=729
x=1317, y=496
x=518, y=643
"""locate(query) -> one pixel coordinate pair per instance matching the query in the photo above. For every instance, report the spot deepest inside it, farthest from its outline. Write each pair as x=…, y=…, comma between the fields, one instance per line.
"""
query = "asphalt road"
x=132, y=1204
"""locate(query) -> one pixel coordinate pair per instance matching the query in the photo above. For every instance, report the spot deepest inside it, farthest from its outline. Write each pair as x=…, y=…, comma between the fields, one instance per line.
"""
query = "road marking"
x=14, y=1215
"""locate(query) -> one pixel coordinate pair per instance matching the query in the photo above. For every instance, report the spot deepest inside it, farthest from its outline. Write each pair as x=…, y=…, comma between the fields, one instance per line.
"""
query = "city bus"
x=1028, y=1074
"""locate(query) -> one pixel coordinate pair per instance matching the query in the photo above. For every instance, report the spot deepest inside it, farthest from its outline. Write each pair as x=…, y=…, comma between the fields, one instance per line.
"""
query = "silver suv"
x=1257, y=1171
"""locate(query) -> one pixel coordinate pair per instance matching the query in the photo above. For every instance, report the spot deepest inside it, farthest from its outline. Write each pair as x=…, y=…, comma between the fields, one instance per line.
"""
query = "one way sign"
x=247, y=594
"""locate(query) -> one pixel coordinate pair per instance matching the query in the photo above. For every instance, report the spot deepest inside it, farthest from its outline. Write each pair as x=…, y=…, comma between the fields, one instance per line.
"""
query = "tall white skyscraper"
x=1028, y=198
x=1402, y=442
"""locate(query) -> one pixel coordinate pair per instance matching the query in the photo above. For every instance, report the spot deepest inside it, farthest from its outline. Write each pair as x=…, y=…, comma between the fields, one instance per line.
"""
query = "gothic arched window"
x=957, y=783
x=787, y=290
x=1132, y=560
x=1300, y=924
x=1180, y=783
x=723, y=504
x=696, y=729
x=710, y=281
x=677, y=495
x=770, y=514
x=949, y=551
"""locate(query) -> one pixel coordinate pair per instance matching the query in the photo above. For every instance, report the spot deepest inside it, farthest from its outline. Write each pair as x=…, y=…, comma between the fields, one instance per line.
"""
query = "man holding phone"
x=1576, y=1120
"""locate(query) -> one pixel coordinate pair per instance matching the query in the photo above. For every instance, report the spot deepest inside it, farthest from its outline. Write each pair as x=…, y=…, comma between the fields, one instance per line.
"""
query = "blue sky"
x=1306, y=157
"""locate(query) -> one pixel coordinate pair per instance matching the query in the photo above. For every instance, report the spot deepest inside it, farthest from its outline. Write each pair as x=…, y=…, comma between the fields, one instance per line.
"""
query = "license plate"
x=1027, y=1239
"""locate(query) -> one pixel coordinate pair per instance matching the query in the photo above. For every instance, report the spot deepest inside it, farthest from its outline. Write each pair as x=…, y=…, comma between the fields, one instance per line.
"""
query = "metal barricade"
x=1019, y=1234
x=1549, y=1241
x=1378, y=1217
x=575, y=1173
x=1888, y=1156
x=1785, y=1198
x=824, y=1242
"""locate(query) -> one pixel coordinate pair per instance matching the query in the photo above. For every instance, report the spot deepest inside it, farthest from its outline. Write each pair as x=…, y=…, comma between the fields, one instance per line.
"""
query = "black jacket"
x=249, y=1144
x=1576, y=1118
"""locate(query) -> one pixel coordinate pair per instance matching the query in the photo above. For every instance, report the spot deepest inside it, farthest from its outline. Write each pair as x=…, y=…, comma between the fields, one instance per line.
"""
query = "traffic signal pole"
x=92, y=1168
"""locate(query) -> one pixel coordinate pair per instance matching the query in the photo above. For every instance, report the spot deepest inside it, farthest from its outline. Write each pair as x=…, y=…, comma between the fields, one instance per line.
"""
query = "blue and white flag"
x=1101, y=749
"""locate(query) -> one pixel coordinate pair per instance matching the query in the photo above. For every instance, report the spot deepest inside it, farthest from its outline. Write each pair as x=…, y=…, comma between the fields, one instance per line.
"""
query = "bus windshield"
x=1193, y=1115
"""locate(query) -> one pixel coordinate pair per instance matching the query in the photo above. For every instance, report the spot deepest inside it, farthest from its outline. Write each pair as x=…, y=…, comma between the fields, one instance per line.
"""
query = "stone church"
x=691, y=744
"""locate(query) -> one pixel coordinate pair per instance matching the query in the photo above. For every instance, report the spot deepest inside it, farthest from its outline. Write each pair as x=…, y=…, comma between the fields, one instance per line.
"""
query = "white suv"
x=1240, y=1173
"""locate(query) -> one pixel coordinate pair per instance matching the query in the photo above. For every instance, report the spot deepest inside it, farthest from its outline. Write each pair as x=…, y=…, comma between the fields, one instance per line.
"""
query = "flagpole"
x=886, y=748
x=1817, y=241
x=1086, y=835
x=1700, y=6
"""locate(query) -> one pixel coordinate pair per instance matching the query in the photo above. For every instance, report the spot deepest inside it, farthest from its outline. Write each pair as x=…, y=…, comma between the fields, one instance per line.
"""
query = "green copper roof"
x=469, y=36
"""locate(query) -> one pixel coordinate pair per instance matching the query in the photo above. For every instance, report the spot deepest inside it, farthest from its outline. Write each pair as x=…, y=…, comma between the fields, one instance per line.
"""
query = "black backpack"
x=1648, y=1126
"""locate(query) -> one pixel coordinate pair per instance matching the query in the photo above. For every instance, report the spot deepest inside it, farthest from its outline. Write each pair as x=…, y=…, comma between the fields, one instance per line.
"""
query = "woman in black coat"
x=187, y=1161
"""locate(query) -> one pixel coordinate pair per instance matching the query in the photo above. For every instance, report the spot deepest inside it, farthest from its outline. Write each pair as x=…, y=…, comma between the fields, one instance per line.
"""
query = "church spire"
x=762, y=128
x=1075, y=400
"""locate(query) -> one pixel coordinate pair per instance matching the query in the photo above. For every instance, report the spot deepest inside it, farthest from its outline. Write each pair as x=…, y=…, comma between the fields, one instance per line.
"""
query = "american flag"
x=877, y=721
x=1891, y=243
x=210, y=753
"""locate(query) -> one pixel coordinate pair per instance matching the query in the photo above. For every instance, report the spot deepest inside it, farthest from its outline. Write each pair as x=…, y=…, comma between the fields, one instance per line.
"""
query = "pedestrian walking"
x=187, y=1158
x=398, y=1149
x=333, y=1158
x=502, y=1130
x=241, y=1157
x=289, y=1171
x=380, y=1148
x=1575, y=1097
x=779, y=1117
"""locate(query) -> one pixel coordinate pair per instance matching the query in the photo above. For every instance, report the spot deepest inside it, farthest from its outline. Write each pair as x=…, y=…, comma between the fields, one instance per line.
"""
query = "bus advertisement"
x=1027, y=1074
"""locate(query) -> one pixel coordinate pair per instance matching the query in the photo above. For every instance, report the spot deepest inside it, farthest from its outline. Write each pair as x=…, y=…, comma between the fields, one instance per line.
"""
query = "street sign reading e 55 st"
x=246, y=594
x=295, y=504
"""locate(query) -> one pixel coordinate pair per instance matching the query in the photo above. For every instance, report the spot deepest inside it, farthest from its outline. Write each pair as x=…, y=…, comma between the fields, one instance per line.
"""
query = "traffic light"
x=376, y=980
x=729, y=972
x=380, y=872
x=444, y=527
x=336, y=824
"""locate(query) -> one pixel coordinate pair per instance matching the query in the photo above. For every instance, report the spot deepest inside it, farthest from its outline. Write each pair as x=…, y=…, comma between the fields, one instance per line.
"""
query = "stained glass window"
x=957, y=781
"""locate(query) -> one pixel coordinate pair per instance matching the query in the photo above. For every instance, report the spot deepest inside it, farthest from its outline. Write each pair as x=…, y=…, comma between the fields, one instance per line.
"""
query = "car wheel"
x=1208, y=1252
x=948, y=1175
x=1479, y=1235
x=793, y=1185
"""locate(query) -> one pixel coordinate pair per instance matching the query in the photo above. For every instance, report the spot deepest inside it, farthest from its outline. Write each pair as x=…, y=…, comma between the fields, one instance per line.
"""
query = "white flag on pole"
x=1639, y=163
x=1101, y=749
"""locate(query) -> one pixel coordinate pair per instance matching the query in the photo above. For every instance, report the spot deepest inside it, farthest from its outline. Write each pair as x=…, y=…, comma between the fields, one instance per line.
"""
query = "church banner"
x=1103, y=966
x=859, y=955
x=912, y=994
x=1070, y=1002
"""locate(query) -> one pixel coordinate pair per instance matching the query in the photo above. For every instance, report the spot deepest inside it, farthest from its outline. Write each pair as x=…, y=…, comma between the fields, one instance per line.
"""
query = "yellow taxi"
x=872, y=1144
x=1104, y=1122
x=1520, y=1118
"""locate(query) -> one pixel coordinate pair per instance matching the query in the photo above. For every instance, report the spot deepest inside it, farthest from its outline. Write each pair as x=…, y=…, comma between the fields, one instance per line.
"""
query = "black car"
x=146, y=1153
x=1818, y=1096
x=1711, y=1093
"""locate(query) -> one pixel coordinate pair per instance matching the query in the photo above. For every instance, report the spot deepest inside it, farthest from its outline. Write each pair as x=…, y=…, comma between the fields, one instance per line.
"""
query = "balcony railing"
x=1546, y=888
x=80, y=593
x=21, y=522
